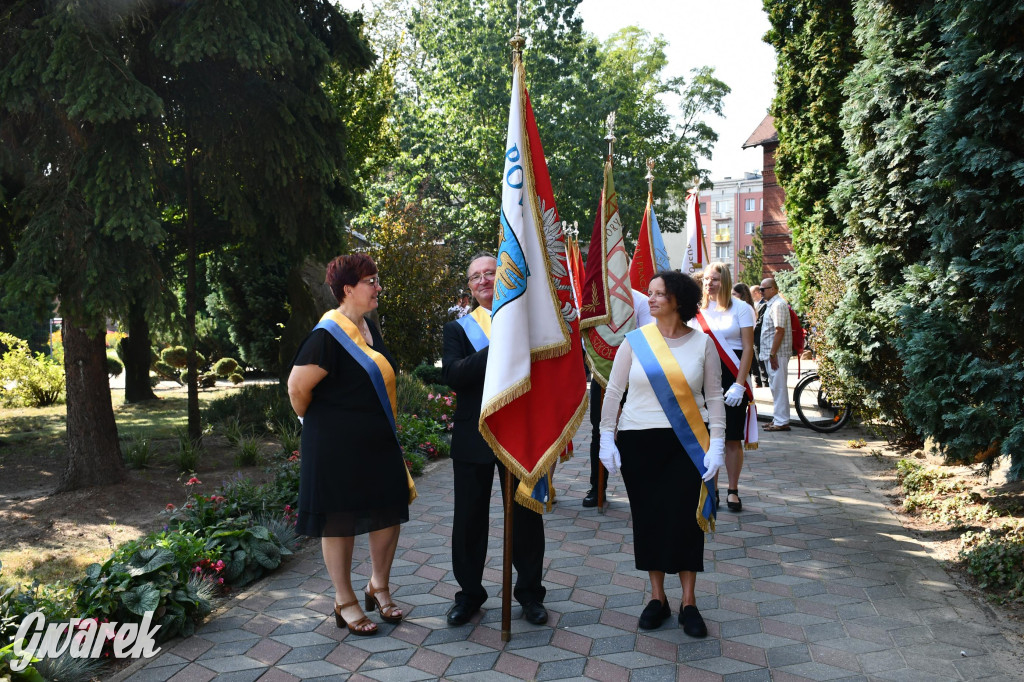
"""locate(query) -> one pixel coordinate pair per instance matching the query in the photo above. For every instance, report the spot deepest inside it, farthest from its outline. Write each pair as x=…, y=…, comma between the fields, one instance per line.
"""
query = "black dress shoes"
x=692, y=622
x=591, y=499
x=535, y=613
x=459, y=614
x=654, y=614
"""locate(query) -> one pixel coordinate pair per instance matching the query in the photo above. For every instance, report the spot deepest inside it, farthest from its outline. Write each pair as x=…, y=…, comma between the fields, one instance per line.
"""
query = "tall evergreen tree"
x=891, y=95
x=207, y=123
x=815, y=51
x=964, y=349
x=82, y=210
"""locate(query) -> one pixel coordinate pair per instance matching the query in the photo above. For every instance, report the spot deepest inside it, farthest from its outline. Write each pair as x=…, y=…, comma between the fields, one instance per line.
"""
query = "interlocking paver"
x=815, y=579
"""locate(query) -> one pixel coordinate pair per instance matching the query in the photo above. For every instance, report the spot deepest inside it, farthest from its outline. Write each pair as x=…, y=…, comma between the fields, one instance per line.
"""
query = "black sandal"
x=738, y=504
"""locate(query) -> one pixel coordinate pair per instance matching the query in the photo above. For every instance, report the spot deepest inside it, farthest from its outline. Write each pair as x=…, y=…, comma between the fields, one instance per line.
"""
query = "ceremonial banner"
x=607, y=307
x=644, y=263
x=534, y=394
x=694, y=257
x=661, y=259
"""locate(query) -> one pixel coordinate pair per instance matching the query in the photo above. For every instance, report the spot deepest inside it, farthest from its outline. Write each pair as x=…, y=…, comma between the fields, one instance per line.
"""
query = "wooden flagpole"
x=517, y=42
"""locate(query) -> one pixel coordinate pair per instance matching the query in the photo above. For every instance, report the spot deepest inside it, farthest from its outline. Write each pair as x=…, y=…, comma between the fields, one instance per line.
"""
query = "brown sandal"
x=356, y=627
x=387, y=611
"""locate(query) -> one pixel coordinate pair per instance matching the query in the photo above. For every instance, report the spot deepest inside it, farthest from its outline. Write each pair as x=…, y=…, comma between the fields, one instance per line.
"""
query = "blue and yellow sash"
x=478, y=327
x=676, y=399
x=382, y=375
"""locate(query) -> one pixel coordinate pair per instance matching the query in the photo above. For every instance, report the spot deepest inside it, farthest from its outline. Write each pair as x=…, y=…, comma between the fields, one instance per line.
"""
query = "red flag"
x=644, y=265
x=534, y=395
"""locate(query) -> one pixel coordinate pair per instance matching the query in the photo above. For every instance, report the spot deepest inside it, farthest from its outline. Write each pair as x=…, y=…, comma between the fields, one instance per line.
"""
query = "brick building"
x=730, y=214
x=775, y=234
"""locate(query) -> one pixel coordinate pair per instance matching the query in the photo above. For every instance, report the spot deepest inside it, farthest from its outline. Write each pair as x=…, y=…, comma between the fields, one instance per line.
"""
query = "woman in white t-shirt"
x=732, y=321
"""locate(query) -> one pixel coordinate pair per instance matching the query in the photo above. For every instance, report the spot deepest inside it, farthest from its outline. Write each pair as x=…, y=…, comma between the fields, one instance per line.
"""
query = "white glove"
x=734, y=396
x=300, y=420
x=714, y=459
x=609, y=453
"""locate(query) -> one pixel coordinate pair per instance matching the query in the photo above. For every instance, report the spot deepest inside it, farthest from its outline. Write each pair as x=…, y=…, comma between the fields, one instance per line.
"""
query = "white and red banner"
x=535, y=388
x=694, y=255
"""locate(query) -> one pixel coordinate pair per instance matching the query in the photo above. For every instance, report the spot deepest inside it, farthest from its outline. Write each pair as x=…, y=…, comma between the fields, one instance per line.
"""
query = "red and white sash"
x=731, y=361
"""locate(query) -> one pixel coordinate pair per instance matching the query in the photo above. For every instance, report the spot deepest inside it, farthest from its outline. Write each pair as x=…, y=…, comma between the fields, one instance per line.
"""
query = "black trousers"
x=473, y=483
x=595, y=434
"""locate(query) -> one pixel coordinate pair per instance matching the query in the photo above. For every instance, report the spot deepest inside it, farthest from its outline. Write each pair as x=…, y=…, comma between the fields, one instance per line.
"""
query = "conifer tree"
x=815, y=51
x=964, y=349
x=890, y=96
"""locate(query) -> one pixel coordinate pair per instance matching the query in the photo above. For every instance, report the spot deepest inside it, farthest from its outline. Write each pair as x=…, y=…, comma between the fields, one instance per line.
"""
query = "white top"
x=642, y=307
x=695, y=352
x=727, y=323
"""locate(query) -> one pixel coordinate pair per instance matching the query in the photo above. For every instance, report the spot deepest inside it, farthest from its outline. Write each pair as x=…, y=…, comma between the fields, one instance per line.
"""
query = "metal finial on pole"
x=609, y=123
x=517, y=41
x=650, y=175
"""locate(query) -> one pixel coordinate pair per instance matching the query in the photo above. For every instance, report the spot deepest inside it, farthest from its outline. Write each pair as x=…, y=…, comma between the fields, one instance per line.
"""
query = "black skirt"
x=735, y=417
x=663, y=486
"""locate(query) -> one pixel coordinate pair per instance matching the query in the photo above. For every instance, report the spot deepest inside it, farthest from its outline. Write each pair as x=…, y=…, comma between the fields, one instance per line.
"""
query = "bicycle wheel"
x=814, y=408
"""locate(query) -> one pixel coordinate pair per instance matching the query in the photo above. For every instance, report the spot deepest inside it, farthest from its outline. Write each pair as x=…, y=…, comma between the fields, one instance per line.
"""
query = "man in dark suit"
x=462, y=367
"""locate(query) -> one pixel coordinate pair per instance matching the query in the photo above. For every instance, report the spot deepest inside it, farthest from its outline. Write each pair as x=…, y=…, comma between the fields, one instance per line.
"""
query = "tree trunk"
x=195, y=431
x=137, y=356
x=94, y=454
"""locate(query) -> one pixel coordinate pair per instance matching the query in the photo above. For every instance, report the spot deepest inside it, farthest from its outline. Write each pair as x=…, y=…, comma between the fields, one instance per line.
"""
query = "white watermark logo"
x=82, y=639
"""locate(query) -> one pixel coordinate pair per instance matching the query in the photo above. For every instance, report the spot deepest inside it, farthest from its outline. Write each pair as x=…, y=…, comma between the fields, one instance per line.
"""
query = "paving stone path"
x=813, y=580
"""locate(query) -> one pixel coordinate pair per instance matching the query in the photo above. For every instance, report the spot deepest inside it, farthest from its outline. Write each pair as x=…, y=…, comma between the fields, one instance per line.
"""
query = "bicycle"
x=814, y=408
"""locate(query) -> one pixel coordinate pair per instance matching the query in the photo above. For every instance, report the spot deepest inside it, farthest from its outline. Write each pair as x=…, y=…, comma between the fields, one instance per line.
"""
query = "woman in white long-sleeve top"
x=661, y=442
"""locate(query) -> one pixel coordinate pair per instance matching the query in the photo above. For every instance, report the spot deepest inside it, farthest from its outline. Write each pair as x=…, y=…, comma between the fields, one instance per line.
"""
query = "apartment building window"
x=762, y=204
x=748, y=228
x=703, y=207
x=723, y=251
x=749, y=204
x=723, y=206
x=748, y=250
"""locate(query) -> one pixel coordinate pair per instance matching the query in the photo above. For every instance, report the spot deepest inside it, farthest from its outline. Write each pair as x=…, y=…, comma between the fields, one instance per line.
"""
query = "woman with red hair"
x=353, y=477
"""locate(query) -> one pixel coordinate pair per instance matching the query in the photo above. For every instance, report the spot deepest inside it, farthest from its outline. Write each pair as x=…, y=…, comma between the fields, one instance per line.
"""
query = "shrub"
x=152, y=574
x=428, y=374
x=188, y=451
x=257, y=408
x=27, y=379
x=232, y=430
x=415, y=461
x=225, y=367
x=249, y=550
x=165, y=370
x=410, y=393
x=996, y=559
x=236, y=378
x=135, y=450
x=114, y=367
x=248, y=452
x=421, y=436
x=175, y=356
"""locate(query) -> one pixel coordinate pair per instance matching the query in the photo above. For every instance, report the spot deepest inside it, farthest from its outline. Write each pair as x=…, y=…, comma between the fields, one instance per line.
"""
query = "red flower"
x=293, y=458
x=193, y=481
x=169, y=507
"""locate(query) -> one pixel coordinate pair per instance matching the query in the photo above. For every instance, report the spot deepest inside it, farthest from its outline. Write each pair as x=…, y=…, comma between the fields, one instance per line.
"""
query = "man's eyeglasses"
x=372, y=281
x=764, y=289
x=481, y=276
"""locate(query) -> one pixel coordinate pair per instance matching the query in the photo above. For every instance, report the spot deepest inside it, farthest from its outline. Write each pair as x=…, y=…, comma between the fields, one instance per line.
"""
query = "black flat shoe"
x=460, y=614
x=738, y=504
x=535, y=613
x=591, y=498
x=692, y=622
x=654, y=614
